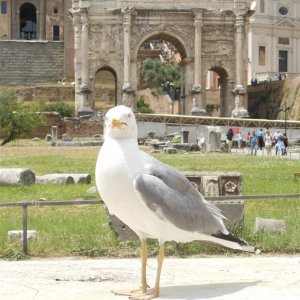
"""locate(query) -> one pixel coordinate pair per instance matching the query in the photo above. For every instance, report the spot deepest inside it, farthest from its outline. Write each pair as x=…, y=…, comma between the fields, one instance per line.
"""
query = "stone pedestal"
x=127, y=100
x=197, y=109
x=184, y=136
x=213, y=138
x=54, y=135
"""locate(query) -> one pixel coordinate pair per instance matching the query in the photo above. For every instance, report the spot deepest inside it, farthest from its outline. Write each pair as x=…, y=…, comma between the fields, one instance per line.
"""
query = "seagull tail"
x=231, y=241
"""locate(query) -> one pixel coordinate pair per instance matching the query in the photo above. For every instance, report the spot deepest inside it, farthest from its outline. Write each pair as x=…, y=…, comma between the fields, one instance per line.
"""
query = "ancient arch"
x=103, y=78
x=225, y=90
x=209, y=36
x=178, y=42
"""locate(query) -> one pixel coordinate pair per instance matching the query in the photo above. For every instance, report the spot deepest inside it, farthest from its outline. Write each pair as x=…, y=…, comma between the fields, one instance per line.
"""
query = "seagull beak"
x=117, y=124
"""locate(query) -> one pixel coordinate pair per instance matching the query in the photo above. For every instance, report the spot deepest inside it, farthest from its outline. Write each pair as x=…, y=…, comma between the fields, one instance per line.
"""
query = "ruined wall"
x=265, y=99
x=31, y=62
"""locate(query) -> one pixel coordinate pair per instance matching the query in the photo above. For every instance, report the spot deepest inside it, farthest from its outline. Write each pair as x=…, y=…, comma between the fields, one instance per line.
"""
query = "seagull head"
x=120, y=123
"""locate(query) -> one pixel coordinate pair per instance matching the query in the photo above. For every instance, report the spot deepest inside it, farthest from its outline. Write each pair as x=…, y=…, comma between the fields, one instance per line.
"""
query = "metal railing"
x=26, y=204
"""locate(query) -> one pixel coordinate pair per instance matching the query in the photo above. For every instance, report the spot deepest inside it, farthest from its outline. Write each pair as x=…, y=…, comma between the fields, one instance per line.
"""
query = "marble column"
x=41, y=17
x=239, y=89
x=128, y=91
x=198, y=108
x=85, y=91
x=76, y=18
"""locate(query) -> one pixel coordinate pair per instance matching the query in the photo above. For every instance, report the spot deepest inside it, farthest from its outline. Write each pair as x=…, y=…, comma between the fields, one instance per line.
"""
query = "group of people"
x=259, y=140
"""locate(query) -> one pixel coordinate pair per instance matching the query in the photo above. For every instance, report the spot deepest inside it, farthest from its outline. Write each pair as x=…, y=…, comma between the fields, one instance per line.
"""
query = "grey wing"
x=171, y=194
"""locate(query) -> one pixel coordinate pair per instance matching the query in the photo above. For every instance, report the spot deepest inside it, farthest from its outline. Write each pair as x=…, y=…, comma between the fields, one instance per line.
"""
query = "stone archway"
x=172, y=43
x=105, y=89
x=209, y=34
x=224, y=92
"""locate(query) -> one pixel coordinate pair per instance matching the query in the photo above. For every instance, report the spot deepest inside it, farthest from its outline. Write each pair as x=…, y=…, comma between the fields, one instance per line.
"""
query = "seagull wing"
x=171, y=196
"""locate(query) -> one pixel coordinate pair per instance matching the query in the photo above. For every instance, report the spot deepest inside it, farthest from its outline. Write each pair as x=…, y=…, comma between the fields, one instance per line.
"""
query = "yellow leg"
x=160, y=259
x=155, y=292
x=144, y=256
x=143, y=289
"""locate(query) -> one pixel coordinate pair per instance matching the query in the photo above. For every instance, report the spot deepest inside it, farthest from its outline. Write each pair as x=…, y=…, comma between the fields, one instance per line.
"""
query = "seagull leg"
x=143, y=289
x=144, y=256
x=155, y=292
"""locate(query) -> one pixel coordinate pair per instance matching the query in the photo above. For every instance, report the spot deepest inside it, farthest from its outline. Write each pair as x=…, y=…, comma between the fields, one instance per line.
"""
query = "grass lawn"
x=84, y=230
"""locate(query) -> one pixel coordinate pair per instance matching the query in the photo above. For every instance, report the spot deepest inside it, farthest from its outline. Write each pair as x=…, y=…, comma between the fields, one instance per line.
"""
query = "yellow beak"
x=116, y=123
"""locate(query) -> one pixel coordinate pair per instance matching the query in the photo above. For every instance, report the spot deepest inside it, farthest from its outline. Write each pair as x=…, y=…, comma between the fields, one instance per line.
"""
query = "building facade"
x=274, y=40
x=35, y=33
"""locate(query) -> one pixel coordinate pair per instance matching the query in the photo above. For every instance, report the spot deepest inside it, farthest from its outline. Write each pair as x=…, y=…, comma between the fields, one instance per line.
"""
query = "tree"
x=157, y=72
x=15, y=117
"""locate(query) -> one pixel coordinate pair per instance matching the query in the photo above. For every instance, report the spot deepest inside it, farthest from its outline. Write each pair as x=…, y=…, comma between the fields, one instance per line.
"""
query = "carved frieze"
x=106, y=39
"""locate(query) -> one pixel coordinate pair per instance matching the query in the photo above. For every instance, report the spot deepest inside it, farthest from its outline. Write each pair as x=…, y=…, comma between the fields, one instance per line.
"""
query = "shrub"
x=143, y=107
x=15, y=117
x=65, y=110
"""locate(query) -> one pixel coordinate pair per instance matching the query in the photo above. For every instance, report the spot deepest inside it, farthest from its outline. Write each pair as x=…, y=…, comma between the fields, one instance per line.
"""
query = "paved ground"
x=235, y=278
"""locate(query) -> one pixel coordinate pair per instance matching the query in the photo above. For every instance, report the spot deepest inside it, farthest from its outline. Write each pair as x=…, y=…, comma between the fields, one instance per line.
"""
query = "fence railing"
x=26, y=204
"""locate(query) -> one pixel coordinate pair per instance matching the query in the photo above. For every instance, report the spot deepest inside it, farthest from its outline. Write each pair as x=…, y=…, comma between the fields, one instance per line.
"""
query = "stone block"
x=155, y=151
x=210, y=186
x=182, y=146
x=48, y=137
x=66, y=138
x=17, y=235
x=233, y=210
x=16, y=176
x=231, y=183
x=170, y=150
x=69, y=144
x=55, y=179
x=81, y=178
x=87, y=144
x=269, y=225
x=122, y=230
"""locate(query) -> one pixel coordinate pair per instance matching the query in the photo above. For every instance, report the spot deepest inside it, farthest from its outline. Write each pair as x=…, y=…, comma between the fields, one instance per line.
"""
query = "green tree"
x=156, y=72
x=15, y=117
x=143, y=107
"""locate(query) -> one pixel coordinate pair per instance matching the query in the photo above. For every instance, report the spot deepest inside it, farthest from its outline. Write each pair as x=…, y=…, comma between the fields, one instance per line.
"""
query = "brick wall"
x=31, y=61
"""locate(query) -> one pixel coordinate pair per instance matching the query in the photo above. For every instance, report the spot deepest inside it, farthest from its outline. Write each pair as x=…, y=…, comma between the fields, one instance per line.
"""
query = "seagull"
x=153, y=199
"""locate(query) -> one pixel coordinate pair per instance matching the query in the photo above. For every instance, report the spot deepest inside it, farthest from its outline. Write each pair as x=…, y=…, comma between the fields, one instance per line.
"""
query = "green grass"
x=84, y=230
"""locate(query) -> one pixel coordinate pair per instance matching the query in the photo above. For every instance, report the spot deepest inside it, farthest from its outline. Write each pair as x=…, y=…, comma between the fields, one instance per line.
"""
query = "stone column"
x=196, y=91
x=76, y=17
x=85, y=91
x=239, y=89
x=41, y=16
x=127, y=88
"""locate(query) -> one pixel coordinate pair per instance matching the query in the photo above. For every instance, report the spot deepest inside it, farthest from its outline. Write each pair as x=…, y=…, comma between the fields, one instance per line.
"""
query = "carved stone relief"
x=210, y=186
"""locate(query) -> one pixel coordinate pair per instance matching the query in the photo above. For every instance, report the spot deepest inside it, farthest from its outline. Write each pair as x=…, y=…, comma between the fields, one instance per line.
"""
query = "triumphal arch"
x=209, y=35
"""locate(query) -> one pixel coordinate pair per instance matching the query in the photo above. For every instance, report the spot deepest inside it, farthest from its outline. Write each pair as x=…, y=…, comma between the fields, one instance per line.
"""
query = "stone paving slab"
x=243, y=277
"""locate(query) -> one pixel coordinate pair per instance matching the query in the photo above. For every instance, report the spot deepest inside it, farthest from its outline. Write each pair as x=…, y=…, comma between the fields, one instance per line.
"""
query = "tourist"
x=253, y=143
x=260, y=139
x=285, y=141
x=280, y=147
x=248, y=139
x=229, y=138
x=240, y=140
x=268, y=142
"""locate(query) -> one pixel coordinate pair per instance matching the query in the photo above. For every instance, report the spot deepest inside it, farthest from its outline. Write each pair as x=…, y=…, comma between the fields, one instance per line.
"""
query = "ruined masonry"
x=209, y=35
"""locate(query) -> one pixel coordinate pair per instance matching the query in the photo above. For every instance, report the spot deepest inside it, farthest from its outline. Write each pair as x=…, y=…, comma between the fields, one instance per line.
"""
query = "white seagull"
x=153, y=199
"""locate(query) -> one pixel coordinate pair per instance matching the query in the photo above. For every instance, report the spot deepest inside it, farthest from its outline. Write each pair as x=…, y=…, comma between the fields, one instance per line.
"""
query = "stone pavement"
x=235, y=278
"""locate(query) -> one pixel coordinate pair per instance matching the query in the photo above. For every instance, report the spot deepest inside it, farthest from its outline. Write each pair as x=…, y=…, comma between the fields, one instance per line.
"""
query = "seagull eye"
x=129, y=115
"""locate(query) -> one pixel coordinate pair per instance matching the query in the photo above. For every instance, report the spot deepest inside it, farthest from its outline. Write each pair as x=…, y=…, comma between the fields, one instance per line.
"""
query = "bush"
x=15, y=117
x=143, y=107
x=65, y=110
